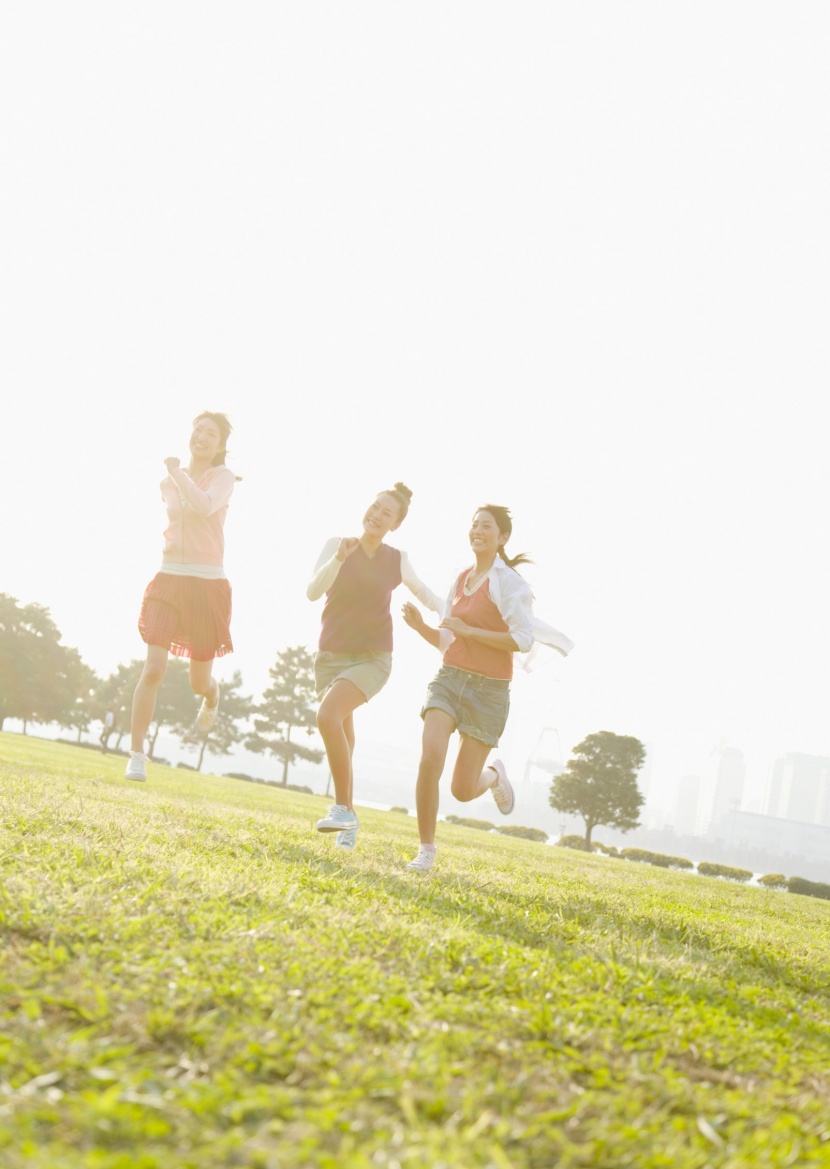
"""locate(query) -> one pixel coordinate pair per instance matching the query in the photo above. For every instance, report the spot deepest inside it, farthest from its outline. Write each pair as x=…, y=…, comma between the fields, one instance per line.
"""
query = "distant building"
x=728, y=786
x=778, y=837
x=687, y=806
x=799, y=789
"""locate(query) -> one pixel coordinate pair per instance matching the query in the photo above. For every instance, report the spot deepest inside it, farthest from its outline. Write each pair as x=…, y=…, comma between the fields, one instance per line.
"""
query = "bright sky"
x=568, y=257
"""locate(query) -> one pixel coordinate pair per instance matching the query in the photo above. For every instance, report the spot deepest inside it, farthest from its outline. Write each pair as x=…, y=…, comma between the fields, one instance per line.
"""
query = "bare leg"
x=471, y=778
x=144, y=699
x=438, y=726
x=336, y=710
x=348, y=731
x=202, y=683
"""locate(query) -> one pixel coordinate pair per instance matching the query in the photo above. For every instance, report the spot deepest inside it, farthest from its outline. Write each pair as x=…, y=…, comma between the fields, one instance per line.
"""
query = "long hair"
x=504, y=522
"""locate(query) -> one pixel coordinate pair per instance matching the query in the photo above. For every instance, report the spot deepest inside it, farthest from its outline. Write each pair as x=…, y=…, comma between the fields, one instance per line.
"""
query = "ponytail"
x=511, y=562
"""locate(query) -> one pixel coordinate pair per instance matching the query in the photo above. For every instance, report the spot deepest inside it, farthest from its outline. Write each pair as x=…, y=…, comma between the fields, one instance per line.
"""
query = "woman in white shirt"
x=488, y=616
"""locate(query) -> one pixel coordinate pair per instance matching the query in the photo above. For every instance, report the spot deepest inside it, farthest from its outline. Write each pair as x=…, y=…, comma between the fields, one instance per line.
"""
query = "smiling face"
x=485, y=537
x=383, y=516
x=206, y=440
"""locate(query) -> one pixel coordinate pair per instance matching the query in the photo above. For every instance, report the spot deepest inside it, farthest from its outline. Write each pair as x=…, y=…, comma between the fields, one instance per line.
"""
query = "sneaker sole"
x=336, y=827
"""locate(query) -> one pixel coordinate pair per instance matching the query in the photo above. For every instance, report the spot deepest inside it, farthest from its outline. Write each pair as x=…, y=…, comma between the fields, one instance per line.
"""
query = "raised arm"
x=335, y=551
x=205, y=502
x=416, y=586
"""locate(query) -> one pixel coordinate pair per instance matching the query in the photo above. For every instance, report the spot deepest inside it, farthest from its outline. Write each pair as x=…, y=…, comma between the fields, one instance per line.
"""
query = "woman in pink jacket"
x=187, y=605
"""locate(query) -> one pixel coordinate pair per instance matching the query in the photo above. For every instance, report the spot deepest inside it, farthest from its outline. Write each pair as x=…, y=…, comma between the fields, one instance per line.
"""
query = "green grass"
x=191, y=976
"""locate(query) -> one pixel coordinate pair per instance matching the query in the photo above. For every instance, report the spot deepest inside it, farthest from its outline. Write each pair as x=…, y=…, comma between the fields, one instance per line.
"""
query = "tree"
x=234, y=708
x=80, y=681
x=40, y=679
x=599, y=782
x=287, y=705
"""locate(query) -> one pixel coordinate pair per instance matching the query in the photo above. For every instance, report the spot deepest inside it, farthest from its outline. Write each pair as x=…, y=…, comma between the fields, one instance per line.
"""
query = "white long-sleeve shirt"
x=512, y=596
x=328, y=566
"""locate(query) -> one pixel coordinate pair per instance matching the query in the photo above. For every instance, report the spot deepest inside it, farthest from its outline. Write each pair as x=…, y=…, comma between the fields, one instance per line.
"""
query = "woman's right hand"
x=172, y=464
x=413, y=616
x=346, y=546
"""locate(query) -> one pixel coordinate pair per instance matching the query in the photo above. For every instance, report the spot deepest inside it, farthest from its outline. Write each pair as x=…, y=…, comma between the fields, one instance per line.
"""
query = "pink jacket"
x=196, y=514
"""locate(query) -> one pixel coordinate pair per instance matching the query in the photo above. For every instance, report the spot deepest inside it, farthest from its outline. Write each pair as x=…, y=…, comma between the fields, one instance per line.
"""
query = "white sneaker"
x=339, y=819
x=206, y=718
x=136, y=766
x=502, y=789
x=425, y=858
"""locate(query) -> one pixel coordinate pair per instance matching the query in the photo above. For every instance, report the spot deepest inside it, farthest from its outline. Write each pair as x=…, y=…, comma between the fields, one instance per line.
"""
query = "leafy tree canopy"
x=599, y=782
x=287, y=706
x=40, y=679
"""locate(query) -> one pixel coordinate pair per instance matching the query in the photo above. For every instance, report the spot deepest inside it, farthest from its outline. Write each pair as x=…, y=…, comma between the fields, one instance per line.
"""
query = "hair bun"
x=402, y=489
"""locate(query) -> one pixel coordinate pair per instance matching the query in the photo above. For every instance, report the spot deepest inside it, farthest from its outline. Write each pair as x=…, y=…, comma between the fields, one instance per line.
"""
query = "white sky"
x=568, y=257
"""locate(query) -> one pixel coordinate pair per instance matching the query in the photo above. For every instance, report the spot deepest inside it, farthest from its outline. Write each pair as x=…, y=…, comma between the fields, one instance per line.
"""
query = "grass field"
x=191, y=976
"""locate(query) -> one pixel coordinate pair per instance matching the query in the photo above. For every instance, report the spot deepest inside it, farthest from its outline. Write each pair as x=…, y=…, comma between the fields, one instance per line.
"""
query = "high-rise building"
x=798, y=788
x=687, y=806
x=728, y=785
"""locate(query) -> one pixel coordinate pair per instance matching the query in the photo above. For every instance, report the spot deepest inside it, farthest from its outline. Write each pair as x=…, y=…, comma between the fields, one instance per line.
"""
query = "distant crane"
x=543, y=757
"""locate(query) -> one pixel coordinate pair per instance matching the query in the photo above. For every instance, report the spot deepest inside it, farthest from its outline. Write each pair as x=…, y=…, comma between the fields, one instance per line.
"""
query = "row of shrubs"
x=290, y=787
x=507, y=830
x=705, y=868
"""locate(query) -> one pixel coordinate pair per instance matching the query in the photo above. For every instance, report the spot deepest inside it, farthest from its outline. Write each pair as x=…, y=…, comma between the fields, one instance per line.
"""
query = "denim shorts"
x=368, y=671
x=477, y=705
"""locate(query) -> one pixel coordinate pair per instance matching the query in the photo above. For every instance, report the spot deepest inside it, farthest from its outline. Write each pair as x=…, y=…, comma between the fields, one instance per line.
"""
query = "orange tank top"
x=478, y=610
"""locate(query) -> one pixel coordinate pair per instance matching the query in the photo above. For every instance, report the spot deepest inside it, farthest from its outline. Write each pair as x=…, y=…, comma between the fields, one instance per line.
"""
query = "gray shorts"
x=478, y=705
x=368, y=671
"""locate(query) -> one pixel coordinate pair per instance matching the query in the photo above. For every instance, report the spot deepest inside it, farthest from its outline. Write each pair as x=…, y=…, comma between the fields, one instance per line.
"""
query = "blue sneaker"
x=339, y=819
x=346, y=839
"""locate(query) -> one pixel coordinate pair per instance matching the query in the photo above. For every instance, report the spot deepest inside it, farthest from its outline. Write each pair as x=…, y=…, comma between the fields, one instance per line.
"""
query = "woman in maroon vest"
x=358, y=575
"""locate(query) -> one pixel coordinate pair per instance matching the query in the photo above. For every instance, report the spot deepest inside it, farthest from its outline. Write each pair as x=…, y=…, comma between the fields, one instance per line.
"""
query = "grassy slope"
x=191, y=976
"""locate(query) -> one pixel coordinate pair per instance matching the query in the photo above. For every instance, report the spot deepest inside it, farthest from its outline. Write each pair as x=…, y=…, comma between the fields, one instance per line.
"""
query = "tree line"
x=44, y=681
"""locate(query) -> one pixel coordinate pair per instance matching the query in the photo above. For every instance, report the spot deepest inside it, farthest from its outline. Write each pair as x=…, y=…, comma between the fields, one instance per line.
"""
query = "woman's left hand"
x=455, y=625
x=172, y=464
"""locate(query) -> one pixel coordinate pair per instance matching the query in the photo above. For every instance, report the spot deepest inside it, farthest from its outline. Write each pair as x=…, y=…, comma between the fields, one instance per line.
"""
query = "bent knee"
x=463, y=791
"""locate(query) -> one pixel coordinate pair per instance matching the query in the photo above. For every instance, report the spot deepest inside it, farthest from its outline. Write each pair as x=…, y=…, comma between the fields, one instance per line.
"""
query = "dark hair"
x=224, y=427
x=402, y=495
x=504, y=522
